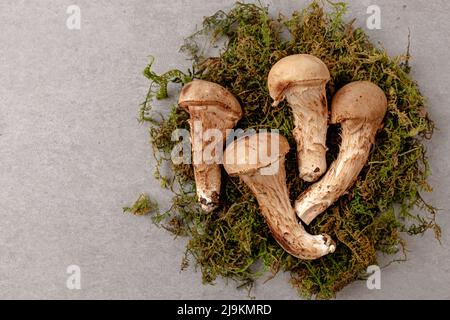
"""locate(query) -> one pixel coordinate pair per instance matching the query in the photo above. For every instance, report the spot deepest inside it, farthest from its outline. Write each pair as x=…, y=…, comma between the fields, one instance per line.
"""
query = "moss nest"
x=234, y=241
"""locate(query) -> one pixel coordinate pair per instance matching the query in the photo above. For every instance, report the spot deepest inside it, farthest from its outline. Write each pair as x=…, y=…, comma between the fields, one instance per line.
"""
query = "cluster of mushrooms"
x=359, y=107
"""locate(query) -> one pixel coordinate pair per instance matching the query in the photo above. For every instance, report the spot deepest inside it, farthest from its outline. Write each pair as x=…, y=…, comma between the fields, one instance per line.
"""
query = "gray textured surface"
x=72, y=153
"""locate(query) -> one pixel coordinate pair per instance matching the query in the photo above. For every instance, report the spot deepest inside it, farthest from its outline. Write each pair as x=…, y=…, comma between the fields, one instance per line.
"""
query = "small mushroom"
x=259, y=161
x=301, y=79
x=210, y=106
x=360, y=108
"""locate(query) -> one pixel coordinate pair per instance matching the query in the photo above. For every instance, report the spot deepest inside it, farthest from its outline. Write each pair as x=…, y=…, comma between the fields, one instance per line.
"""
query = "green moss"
x=142, y=206
x=234, y=242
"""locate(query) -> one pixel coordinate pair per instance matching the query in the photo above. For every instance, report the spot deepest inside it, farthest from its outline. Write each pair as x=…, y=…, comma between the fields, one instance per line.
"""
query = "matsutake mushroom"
x=259, y=161
x=213, y=110
x=360, y=108
x=301, y=79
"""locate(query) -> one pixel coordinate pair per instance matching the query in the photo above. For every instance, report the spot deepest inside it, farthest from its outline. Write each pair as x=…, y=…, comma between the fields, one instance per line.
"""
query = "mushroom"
x=212, y=108
x=259, y=161
x=360, y=108
x=301, y=79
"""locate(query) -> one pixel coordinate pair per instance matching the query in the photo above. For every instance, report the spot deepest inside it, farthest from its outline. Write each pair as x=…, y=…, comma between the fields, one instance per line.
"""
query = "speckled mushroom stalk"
x=210, y=106
x=266, y=178
x=301, y=80
x=360, y=108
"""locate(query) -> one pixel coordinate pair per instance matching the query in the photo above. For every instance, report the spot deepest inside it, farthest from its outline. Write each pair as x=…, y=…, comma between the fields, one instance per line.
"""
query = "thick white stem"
x=208, y=181
x=357, y=139
x=309, y=107
x=272, y=195
x=207, y=170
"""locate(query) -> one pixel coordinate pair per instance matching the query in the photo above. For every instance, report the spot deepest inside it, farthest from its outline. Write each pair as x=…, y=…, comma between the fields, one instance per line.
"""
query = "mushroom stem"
x=357, y=140
x=272, y=195
x=207, y=171
x=207, y=180
x=309, y=107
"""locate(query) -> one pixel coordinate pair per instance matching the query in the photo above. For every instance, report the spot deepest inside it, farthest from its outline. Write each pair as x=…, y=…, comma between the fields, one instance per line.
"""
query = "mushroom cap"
x=359, y=100
x=295, y=69
x=251, y=153
x=200, y=93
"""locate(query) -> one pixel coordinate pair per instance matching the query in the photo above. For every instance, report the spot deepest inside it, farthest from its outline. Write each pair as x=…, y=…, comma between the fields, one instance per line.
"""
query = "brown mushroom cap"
x=241, y=153
x=204, y=93
x=295, y=69
x=359, y=100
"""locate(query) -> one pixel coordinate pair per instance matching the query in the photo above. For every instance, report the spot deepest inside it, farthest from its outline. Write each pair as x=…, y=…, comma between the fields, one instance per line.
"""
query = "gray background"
x=72, y=153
